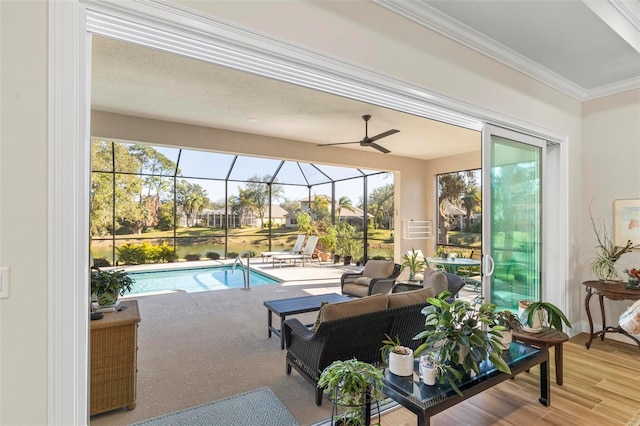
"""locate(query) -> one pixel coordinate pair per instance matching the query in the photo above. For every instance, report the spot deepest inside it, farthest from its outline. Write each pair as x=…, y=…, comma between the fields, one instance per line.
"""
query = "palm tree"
x=470, y=201
x=344, y=203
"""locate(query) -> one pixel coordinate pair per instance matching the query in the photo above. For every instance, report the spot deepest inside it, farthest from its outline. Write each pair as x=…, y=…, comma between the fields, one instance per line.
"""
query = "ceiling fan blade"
x=379, y=148
x=337, y=143
x=382, y=135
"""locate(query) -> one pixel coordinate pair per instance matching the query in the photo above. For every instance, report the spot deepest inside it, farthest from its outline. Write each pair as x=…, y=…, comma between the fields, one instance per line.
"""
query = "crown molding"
x=612, y=89
x=435, y=20
x=622, y=16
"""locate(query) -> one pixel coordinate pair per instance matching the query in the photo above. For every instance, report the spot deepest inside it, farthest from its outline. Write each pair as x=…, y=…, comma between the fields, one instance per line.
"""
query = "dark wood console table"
x=612, y=291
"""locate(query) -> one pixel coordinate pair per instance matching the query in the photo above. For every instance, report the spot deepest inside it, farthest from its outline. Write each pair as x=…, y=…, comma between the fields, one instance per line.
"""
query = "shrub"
x=137, y=254
x=378, y=257
x=213, y=255
x=101, y=262
x=231, y=254
x=191, y=257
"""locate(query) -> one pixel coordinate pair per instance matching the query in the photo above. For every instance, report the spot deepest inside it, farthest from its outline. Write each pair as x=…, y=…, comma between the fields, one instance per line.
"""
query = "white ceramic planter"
x=538, y=319
x=401, y=365
x=428, y=374
x=506, y=338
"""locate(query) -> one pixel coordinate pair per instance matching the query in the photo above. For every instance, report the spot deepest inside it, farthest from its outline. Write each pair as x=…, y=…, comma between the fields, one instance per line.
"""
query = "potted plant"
x=411, y=261
x=442, y=252
x=450, y=327
x=349, y=384
x=510, y=322
x=398, y=357
x=328, y=241
x=429, y=368
x=109, y=285
x=534, y=315
x=634, y=277
x=607, y=253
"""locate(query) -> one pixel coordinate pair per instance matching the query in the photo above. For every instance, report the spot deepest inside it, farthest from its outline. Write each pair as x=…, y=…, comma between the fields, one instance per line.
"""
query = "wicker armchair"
x=377, y=277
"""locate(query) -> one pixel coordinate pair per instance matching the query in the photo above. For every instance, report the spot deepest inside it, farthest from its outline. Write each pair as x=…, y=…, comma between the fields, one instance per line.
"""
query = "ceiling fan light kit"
x=368, y=141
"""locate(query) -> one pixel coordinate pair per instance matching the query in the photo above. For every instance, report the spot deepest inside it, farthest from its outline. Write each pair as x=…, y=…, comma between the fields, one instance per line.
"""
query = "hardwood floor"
x=601, y=387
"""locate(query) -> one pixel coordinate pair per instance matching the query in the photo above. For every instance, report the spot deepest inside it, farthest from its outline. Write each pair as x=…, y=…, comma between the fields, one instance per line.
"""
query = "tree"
x=470, y=201
x=254, y=197
x=380, y=205
x=344, y=203
x=450, y=187
x=191, y=199
x=319, y=208
x=291, y=206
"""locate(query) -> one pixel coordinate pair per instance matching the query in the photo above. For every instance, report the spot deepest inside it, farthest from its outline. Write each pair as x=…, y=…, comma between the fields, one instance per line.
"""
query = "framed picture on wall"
x=626, y=222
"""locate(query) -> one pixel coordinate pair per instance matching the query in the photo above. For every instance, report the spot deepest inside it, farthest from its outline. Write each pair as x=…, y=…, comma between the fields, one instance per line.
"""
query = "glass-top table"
x=426, y=401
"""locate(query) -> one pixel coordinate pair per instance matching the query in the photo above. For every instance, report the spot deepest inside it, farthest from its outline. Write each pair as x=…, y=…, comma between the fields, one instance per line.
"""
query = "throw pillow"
x=630, y=319
x=335, y=311
x=408, y=298
x=318, y=318
x=362, y=280
x=436, y=280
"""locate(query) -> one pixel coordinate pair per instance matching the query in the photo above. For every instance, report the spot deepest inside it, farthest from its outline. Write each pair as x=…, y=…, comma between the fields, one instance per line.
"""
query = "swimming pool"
x=193, y=280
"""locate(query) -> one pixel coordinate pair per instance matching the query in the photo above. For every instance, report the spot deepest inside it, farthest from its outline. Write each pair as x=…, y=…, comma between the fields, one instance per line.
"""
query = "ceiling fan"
x=369, y=141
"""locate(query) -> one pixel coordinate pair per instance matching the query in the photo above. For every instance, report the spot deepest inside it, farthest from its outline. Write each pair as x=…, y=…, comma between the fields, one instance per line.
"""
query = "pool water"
x=194, y=280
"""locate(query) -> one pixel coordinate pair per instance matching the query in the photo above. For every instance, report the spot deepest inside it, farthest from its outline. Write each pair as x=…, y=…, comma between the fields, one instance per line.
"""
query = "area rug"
x=260, y=407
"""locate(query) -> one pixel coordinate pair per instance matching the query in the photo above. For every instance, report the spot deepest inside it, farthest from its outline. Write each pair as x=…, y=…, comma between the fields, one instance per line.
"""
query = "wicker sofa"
x=353, y=329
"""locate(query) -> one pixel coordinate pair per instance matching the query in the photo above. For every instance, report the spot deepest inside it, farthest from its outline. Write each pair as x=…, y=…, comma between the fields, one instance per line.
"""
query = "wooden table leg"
x=559, y=365
x=586, y=306
x=604, y=319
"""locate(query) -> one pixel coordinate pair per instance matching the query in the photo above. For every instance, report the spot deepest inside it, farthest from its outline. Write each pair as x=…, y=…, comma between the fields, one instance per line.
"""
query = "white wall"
x=347, y=30
x=23, y=212
x=611, y=159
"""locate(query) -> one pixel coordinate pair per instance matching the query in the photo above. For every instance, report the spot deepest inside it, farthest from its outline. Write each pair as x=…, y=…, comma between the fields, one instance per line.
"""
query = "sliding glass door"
x=512, y=216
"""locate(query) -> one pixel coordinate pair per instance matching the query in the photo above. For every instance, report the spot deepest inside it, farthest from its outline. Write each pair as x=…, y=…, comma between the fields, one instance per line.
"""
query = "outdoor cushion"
x=362, y=280
x=406, y=298
x=378, y=269
x=436, y=280
x=335, y=311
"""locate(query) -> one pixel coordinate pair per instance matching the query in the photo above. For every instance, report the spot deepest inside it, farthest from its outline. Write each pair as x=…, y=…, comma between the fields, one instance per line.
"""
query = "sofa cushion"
x=378, y=269
x=336, y=311
x=407, y=298
x=436, y=280
x=362, y=280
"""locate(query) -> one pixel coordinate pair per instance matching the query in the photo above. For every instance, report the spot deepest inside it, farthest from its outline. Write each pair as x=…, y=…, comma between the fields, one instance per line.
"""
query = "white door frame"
x=161, y=24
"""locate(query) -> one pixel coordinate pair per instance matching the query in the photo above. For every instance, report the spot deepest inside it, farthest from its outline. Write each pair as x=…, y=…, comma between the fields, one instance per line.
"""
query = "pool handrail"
x=245, y=271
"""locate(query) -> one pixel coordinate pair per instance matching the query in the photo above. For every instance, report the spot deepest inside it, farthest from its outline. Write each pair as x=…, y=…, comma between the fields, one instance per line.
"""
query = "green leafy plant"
x=551, y=314
x=108, y=285
x=441, y=251
x=449, y=327
x=213, y=255
x=411, y=261
x=348, y=383
x=507, y=319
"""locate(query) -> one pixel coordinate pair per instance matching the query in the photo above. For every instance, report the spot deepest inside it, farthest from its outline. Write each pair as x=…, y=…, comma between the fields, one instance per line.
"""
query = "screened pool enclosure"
x=154, y=204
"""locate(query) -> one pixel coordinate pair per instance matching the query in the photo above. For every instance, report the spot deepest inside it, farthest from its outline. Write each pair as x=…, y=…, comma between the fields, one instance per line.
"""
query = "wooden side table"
x=612, y=291
x=546, y=338
x=113, y=358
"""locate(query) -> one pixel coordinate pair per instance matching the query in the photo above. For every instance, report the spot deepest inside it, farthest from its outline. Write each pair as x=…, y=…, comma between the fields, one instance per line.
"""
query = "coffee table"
x=426, y=401
x=296, y=305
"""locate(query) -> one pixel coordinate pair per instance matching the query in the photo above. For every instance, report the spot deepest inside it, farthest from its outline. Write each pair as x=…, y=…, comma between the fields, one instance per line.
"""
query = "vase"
x=401, y=365
x=412, y=276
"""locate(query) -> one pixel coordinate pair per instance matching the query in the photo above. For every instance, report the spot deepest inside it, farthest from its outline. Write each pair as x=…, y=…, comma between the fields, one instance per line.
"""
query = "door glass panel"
x=515, y=222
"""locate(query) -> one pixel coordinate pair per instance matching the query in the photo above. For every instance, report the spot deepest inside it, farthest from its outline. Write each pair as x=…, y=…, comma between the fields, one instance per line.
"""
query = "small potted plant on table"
x=535, y=314
x=506, y=323
x=415, y=265
x=353, y=385
x=398, y=357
